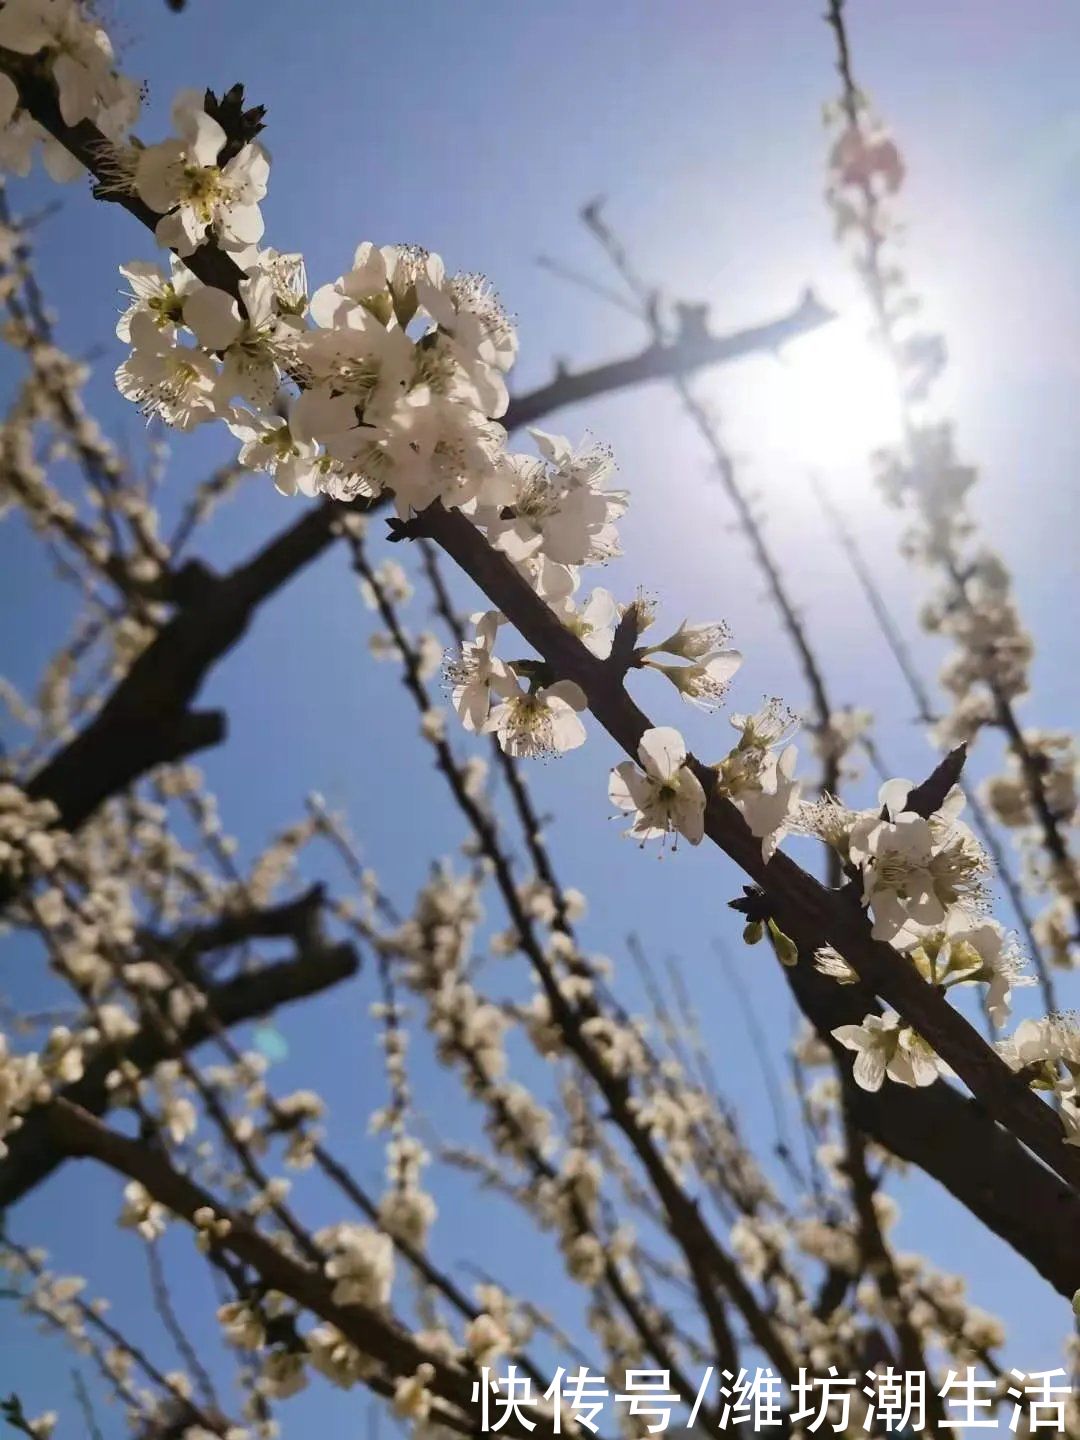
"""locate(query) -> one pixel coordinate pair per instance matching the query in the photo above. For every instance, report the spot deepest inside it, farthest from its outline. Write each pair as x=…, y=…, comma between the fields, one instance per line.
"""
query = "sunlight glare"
x=841, y=396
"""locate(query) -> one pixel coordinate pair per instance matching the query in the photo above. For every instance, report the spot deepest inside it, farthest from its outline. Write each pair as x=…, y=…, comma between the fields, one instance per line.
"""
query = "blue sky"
x=479, y=131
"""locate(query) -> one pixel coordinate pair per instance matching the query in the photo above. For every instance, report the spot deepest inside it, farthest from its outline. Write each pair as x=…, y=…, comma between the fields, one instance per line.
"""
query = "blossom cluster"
x=923, y=882
x=391, y=379
x=666, y=796
x=1047, y=1053
x=972, y=603
x=73, y=48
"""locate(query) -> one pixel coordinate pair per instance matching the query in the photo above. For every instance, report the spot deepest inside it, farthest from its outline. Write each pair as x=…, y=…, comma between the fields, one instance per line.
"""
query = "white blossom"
x=915, y=870
x=142, y=1212
x=268, y=444
x=181, y=180
x=80, y=57
x=559, y=505
x=361, y=1265
x=473, y=674
x=665, y=796
x=539, y=722
x=154, y=294
x=703, y=682
x=884, y=1046
x=176, y=382
x=593, y=622
x=769, y=806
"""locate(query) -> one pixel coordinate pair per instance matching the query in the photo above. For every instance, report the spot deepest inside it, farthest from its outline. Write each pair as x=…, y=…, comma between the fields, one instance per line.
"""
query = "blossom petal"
x=555, y=448
x=620, y=782
x=214, y=316
x=204, y=135
x=722, y=665
x=569, y=693
x=869, y=1068
x=662, y=751
x=893, y=796
x=852, y=1037
x=567, y=731
x=689, y=813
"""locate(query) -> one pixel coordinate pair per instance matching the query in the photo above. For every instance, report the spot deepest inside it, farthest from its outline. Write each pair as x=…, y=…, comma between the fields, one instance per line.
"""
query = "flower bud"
x=694, y=642
x=787, y=952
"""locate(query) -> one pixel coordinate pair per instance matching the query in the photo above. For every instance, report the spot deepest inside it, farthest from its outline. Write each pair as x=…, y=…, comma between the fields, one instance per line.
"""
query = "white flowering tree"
x=378, y=404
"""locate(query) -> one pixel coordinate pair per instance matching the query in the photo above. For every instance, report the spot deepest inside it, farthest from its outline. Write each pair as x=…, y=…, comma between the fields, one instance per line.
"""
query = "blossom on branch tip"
x=182, y=180
x=759, y=781
x=693, y=642
x=1051, y=1042
x=1048, y=1052
x=858, y=159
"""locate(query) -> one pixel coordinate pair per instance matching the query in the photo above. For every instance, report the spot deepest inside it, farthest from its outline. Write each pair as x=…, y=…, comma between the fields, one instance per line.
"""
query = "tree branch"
x=956, y=1141
x=88, y=145
x=147, y=720
x=808, y=912
x=658, y=361
x=299, y=919
x=980, y=818
x=373, y=1333
x=32, y=1158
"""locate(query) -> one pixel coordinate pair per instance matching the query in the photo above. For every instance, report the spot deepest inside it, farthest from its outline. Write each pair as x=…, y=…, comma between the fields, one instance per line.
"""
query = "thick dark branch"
x=147, y=721
x=813, y=917
x=32, y=1158
x=954, y=1140
x=806, y=911
x=658, y=361
x=299, y=919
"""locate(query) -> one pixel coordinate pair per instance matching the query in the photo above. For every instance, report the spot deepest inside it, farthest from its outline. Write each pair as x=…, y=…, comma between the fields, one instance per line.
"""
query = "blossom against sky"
x=482, y=138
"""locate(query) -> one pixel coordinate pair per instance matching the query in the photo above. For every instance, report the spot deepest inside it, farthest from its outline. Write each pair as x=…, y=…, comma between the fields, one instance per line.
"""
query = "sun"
x=840, y=396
